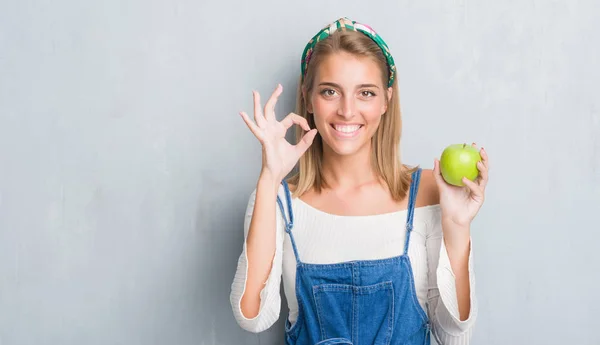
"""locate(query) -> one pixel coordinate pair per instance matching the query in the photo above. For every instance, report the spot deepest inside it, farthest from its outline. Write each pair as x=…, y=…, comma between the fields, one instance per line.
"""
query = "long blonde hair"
x=386, y=140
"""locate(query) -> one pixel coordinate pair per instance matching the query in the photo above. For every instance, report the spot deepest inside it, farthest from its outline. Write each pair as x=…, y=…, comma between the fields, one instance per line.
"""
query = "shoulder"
x=428, y=193
x=292, y=187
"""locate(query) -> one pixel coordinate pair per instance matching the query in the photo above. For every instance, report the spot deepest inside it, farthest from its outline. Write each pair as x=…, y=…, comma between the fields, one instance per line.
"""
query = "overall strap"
x=289, y=222
x=412, y=198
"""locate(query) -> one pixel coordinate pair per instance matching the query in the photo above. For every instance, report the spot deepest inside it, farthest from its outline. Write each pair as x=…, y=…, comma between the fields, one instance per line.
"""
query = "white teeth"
x=347, y=129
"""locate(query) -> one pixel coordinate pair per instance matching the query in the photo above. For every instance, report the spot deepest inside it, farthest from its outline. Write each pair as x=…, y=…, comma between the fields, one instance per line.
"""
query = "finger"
x=306, y=141
x=475, y=189
x=484, y=158
x=253, y=127
x=483, y=174
x=270, y=106
x=292, y=118
x=258, y=116
x=437, y=175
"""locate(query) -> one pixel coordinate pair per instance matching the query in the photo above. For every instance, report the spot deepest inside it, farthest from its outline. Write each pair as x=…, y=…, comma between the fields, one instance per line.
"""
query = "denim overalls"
x=370, y=302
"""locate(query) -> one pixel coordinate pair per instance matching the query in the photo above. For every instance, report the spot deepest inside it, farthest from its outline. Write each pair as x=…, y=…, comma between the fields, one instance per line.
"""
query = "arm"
x=256, y=284
x=452, y=304
x=255, y=295
x=457, y=242
x=453, y=270
x=260, y=243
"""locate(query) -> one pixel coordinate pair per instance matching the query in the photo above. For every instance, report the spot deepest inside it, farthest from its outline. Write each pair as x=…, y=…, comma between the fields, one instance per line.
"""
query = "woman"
x=371, y=251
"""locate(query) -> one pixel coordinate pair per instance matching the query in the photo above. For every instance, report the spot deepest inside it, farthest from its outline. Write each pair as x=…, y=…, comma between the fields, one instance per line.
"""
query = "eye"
x=328, y=92
x=367, y=93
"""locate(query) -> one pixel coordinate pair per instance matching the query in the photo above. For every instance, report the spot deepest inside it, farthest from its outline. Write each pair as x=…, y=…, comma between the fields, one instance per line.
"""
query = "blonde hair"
x=385, y=142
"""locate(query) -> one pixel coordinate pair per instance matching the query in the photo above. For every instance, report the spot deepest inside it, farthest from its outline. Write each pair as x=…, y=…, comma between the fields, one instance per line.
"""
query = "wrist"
x=268, y=183
x=456, y=237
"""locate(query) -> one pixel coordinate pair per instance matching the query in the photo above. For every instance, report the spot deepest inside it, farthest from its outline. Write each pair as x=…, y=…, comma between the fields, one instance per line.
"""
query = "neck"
x=348, y=172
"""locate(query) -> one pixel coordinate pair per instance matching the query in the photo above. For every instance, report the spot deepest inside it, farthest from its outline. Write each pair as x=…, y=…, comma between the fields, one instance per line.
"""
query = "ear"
x=389, y=99
x=307, y=102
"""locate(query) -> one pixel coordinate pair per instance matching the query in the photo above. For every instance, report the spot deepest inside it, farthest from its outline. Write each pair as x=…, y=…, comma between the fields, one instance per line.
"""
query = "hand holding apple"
x=461, y=175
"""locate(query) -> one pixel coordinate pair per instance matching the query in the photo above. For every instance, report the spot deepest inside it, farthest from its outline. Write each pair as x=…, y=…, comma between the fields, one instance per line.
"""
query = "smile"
x=346, y=131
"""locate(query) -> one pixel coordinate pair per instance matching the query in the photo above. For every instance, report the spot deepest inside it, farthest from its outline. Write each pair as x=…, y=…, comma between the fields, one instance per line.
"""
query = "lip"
x=344, y=135
x=347, y=124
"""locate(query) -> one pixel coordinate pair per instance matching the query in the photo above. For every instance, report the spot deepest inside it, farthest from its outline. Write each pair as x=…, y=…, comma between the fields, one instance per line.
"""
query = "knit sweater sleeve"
x=270, y=298
x=447, y=327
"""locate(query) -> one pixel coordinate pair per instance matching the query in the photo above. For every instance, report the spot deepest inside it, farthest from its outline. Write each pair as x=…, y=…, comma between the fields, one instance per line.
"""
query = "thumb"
x=306, y=141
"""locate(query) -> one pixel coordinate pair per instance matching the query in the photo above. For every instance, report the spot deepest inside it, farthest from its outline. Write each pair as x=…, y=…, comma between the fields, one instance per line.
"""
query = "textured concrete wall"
x=125, y=169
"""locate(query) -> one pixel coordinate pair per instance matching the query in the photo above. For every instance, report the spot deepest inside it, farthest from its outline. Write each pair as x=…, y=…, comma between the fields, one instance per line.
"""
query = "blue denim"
x=368, y=302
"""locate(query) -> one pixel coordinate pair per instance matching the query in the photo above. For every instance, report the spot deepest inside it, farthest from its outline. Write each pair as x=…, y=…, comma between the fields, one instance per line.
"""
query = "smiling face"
x=347, y=100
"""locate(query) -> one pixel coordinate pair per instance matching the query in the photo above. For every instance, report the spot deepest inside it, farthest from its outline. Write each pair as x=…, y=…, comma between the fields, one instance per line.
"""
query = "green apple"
x=458, y=161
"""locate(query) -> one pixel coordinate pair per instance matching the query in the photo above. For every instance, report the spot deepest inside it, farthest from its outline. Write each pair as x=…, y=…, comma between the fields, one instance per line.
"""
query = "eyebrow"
x=338, y=86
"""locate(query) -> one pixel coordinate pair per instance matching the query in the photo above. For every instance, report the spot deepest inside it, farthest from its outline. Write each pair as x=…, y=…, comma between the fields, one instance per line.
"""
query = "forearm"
x=458, y=244
x=260, y=243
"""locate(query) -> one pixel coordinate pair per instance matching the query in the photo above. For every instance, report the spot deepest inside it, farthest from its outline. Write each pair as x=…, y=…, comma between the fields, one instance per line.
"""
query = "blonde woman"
x=370, y=250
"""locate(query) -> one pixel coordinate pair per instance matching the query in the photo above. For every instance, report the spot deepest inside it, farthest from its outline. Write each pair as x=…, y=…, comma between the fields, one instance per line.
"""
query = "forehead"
x=348, y=69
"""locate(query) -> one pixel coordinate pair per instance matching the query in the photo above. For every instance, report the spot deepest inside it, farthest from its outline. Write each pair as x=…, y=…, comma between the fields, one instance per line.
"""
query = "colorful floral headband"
x=347, y=24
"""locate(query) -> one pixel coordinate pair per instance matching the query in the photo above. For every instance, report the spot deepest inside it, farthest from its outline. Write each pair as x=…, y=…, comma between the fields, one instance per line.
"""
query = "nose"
x=346, y=107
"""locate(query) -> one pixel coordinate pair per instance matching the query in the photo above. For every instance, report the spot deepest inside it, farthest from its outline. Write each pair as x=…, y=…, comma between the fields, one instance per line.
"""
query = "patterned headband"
x=347, y=24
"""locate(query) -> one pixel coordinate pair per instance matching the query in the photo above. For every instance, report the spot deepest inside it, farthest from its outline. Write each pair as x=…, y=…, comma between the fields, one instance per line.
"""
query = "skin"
x=348, y=90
